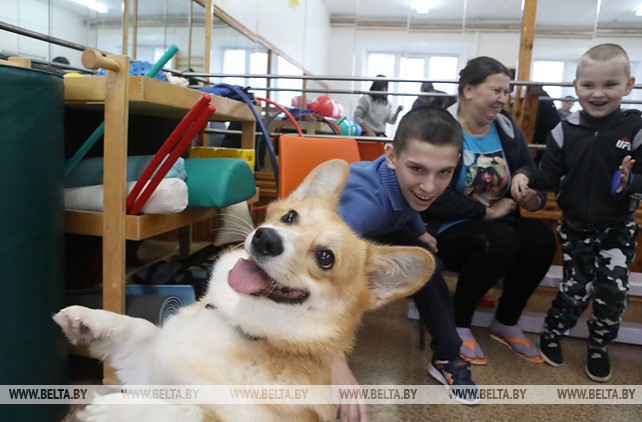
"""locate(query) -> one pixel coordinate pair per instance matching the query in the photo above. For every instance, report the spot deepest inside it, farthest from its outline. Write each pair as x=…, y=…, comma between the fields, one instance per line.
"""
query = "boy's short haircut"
x=604, y=52
x=431, y=124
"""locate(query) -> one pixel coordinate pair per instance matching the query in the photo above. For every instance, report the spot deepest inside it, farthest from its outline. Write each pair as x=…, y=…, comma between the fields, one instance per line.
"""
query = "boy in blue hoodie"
x=382, y=200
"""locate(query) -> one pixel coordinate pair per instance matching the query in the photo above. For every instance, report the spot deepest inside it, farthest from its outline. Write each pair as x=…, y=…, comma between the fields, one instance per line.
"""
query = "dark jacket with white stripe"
x=582, y=155
x=452, y=205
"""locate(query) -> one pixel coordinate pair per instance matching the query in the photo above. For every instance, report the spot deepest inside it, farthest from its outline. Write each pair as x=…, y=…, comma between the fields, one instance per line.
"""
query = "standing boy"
x=597, y=229
x=382, y=200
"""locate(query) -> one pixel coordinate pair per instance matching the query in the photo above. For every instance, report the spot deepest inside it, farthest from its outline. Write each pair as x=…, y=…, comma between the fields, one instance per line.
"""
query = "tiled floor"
x=387, y=353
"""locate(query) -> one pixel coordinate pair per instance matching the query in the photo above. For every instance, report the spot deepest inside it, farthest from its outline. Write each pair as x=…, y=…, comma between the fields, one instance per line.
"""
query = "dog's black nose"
x=267, y=242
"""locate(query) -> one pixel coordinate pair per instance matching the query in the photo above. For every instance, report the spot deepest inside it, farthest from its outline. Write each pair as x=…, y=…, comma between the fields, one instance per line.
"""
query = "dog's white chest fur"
x=223, y=354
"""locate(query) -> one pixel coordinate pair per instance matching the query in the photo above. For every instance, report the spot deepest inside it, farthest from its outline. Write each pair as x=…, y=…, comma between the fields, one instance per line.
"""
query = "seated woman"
x=480, y=232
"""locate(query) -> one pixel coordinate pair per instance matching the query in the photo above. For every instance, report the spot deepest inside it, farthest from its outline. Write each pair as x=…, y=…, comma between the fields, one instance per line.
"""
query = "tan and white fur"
x=308, y=281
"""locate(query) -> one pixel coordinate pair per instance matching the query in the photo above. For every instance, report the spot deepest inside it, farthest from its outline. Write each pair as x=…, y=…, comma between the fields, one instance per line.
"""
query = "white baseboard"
x=554, y=276
x=533, y=322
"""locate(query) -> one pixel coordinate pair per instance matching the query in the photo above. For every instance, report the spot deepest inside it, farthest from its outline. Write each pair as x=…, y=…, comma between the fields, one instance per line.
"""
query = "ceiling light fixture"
x=93, y=5
x=420, y=6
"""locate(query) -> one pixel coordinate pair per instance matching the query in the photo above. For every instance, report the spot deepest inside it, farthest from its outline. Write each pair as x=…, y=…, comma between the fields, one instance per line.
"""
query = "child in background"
x=597, y=229
x=374, y=110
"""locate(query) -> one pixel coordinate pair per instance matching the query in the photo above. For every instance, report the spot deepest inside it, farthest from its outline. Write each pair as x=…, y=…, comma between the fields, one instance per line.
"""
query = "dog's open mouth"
x=247, y=277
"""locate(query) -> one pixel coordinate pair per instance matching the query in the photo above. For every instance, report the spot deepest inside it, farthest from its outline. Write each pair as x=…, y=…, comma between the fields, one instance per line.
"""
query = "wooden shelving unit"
x=119, y=95
x=147, y=96
x=137, y=227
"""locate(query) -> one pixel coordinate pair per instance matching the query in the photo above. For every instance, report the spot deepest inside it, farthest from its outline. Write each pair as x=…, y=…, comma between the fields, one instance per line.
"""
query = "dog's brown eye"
x=325, y=258
x=290, y=217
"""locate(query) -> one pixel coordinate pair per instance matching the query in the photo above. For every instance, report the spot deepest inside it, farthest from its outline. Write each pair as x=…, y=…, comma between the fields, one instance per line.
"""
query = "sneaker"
x=551, y=351
x=413, y=312
x=455, y=375
x=598, y=365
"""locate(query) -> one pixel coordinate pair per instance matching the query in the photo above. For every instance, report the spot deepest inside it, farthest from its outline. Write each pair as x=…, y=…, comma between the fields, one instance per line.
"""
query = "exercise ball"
x=349, y=127
x=326, y=106
x=296, y=102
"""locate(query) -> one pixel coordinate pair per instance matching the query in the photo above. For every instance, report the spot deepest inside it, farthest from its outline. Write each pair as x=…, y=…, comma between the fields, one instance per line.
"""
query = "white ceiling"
x=550, y=13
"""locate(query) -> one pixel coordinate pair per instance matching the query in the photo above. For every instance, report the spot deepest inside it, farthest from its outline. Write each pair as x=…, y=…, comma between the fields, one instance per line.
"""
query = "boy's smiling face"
x=600, y=85
x=423, y=170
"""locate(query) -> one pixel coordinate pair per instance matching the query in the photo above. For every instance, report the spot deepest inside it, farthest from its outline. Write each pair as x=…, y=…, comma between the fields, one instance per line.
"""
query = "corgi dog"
x=278, y=311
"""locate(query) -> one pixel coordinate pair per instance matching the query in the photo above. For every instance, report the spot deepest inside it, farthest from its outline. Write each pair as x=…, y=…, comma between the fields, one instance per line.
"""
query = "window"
x=258, y=66
x=443, y=68
x=234, y=64
x=379, y=64
x=412, y=66
x=564, y=71
x=549, y=71
x=285, y=68
x=239, y=61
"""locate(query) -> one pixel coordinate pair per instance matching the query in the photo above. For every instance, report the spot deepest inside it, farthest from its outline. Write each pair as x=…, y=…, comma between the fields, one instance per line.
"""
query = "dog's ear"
x=326, y=181
x=397, y=271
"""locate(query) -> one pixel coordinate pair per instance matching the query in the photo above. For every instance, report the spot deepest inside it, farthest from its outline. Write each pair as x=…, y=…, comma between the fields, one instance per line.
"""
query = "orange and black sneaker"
x=455, y=375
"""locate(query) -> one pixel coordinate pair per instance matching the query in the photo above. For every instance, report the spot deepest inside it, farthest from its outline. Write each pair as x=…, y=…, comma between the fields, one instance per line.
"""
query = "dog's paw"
x=96, y=413
x=116, y=408
x=80, y=324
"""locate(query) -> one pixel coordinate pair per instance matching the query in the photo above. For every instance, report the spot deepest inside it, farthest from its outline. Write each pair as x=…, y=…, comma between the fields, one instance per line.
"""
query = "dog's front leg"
x=124, y=340
x=116, y=408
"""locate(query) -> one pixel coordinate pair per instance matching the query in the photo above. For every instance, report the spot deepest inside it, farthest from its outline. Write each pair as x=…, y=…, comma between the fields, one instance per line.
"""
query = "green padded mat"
x=218, y=182
x=32, y=285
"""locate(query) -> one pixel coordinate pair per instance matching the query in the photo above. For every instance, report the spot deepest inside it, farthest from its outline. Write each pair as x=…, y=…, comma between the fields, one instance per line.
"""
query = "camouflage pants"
x=596, y=266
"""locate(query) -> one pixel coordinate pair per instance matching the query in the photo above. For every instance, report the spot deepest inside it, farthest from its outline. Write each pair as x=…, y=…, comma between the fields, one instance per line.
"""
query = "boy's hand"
x=342, y=375
x=500, y=208
x=625, y=170
x=430, y=240
x=526, y=197
x=529, y=200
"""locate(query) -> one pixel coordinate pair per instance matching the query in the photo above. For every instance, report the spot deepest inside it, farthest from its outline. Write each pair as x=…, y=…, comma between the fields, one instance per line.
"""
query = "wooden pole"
x=135, y=30
x=525, y=56
x=125, y=26
x=209, y=18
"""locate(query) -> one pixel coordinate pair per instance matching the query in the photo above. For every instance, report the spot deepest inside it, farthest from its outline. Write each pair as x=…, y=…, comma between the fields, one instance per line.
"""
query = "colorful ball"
x=349, y=127
x=326, y=106
x=296, y=102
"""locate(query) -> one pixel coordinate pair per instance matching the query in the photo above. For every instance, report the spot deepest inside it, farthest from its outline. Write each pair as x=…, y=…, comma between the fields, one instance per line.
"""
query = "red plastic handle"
x=193, y=123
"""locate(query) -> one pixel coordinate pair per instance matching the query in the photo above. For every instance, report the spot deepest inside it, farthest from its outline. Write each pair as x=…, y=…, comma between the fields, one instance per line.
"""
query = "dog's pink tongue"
x=246, y=277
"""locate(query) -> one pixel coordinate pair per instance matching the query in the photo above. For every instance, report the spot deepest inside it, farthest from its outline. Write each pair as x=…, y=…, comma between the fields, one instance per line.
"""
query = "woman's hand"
x=519, y=185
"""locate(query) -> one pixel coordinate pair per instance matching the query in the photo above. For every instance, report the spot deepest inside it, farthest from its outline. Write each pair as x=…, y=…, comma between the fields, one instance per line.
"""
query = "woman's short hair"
x=477, y=70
